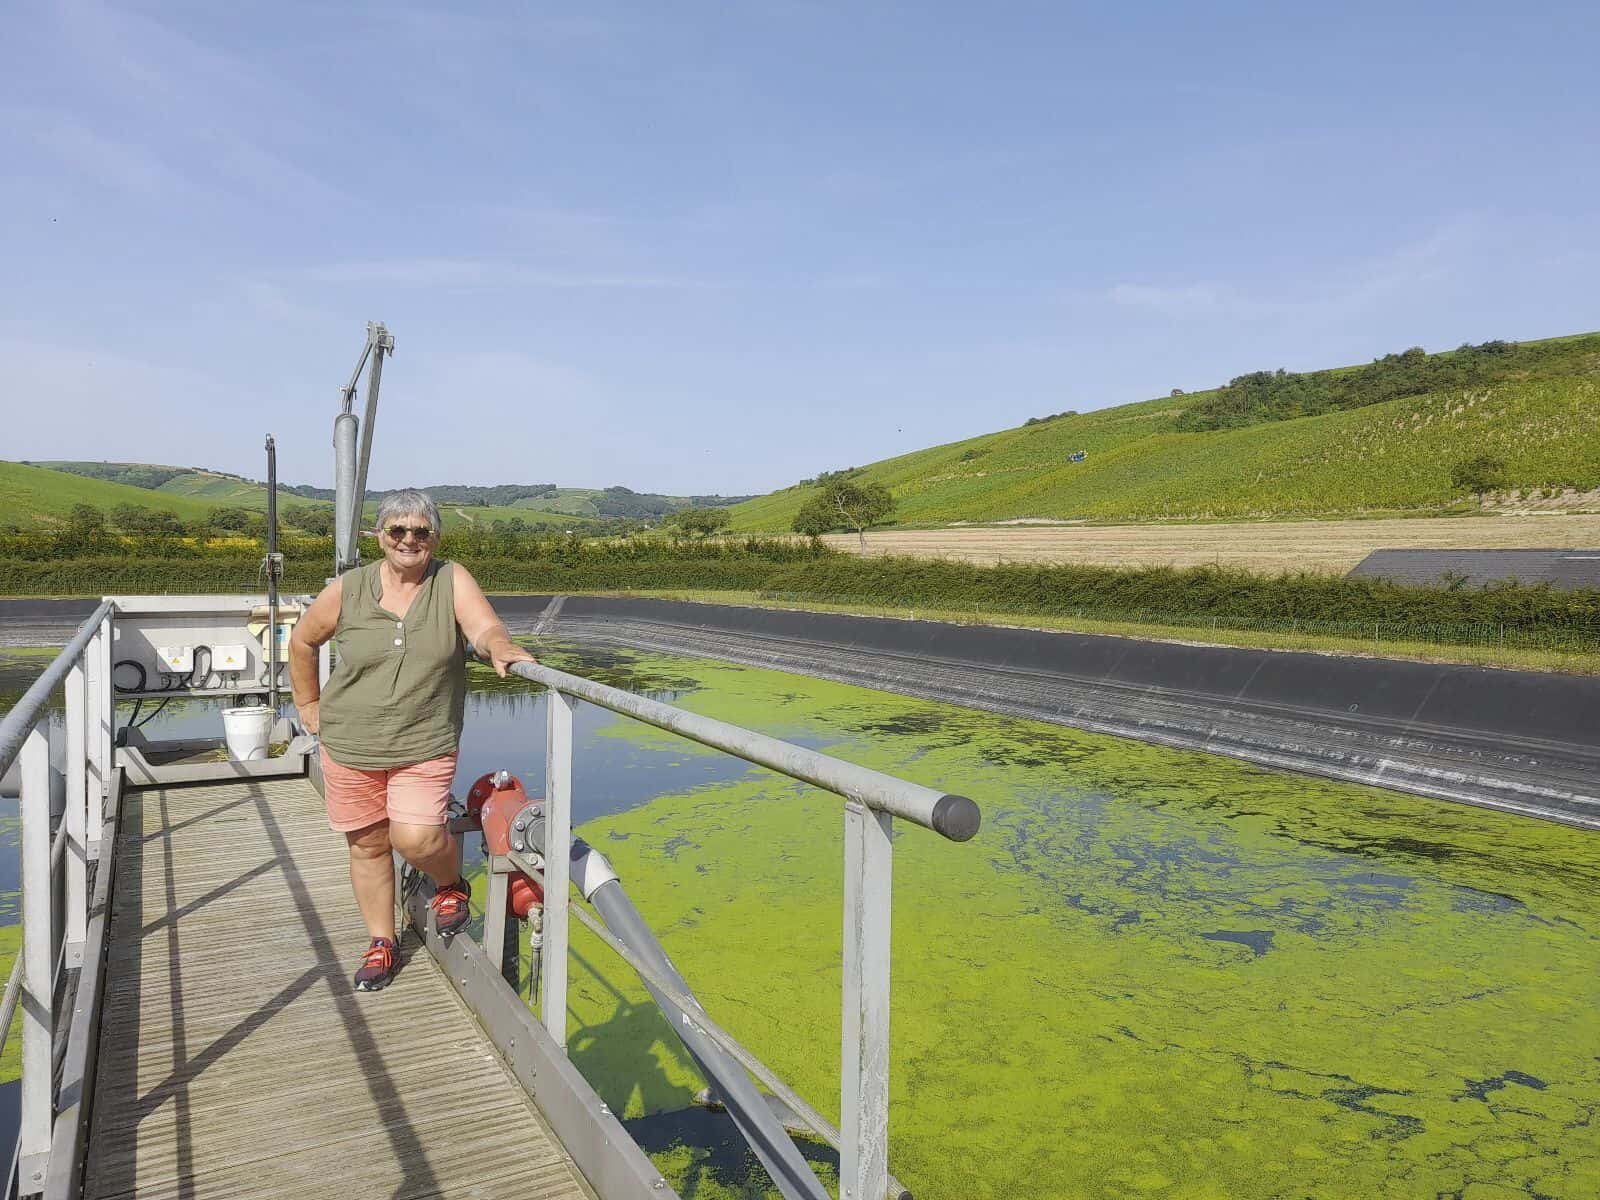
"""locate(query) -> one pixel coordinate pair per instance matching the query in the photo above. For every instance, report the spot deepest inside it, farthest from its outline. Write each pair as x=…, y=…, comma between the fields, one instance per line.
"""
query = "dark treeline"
x=1281, y=395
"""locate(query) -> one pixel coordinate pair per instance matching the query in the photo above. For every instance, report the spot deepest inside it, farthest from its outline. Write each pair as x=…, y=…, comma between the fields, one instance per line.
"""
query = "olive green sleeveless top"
x=399, y=687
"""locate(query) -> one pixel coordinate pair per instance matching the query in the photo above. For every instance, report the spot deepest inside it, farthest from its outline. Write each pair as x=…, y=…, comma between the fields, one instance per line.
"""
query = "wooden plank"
x=236, y=1060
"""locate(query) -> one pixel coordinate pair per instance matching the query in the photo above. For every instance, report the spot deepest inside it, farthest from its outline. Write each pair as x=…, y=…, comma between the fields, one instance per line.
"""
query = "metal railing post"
x=38, y=985
x=104, y=729
x=557, y=868
x=494, y=912
x=864, y=1046
x=77, y=865
x=94, y=771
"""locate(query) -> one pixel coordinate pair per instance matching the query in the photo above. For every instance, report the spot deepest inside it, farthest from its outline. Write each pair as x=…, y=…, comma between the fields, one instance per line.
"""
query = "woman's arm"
x=315, y=626
x=484, y=630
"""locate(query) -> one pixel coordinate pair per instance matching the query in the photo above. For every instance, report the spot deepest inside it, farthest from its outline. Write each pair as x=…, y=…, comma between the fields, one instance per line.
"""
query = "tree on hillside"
x=135, y=518
x=699, y=522
x=86, y=519
x=1479, y=474
x=847, y=505
x=233, y=519
x=318, y=521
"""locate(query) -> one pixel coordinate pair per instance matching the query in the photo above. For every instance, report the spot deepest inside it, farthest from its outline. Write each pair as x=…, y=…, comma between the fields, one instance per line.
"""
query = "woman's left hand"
x=503, y=652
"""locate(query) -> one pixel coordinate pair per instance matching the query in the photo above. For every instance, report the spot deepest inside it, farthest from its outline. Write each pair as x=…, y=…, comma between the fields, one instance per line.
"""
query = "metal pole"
x=345, y=525
x=557, y=870
x=77, y=917
x=38, y=1019
x=494, y=914
x=864, y=1046
x=272, y=576
x=763, y=1132
x=380, y=341
x=104, y=733
x=94, y=770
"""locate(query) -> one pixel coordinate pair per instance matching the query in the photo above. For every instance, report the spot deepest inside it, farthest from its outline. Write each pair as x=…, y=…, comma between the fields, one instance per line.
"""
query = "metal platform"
x=236, y=1060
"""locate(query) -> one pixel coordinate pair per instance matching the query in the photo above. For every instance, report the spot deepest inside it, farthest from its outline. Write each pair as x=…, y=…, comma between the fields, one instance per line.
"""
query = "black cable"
x=138, y=666
x=205, y=679
x=154, y=713
x=144, y=678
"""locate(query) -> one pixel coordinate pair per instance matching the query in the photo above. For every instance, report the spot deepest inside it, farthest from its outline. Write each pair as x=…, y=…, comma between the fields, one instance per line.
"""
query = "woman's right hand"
x=310, y=717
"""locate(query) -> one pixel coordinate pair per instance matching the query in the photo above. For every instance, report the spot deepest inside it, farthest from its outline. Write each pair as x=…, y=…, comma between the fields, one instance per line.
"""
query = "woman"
x=390, y=719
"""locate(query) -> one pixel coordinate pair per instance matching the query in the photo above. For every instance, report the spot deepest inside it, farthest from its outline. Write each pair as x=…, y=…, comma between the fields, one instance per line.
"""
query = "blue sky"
x=719, y=247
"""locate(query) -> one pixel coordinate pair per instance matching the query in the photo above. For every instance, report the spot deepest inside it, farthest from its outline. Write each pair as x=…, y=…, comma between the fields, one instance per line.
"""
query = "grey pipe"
x=374, y=378
x=345, y=521
x=272, y=576
x=760, y=1127
x=954, y=817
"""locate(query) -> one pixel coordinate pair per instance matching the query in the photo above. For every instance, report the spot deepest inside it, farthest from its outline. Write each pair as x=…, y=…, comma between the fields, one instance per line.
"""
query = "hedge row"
x=111, y=576
x=1201, y=595
x=467, y=545
x=1208, y=592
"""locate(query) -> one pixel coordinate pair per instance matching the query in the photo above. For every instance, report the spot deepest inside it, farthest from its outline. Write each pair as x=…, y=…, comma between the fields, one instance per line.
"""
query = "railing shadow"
x=117, y=1173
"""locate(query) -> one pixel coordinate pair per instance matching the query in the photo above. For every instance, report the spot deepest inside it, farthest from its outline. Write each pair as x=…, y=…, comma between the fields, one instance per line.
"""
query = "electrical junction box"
x=229, y=658
x=176, y=660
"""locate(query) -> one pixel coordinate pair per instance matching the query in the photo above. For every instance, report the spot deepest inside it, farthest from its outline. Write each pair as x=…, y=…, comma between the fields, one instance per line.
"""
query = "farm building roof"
x=1569, y=570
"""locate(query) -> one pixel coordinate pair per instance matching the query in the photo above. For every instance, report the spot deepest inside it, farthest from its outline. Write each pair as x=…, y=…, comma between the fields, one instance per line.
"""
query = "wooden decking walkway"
x=235, y=1058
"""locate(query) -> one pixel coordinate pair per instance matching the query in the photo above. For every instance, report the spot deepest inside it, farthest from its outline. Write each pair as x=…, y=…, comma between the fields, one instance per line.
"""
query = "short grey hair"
x=404, y=503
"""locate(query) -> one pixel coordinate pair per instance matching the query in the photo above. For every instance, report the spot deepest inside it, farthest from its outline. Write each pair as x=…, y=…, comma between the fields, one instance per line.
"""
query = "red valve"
x=496, y=808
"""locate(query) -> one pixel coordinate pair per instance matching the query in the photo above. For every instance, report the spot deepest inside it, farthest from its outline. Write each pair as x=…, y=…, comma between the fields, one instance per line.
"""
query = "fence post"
x=557, y=861
x=38, y=983
x=77, y=864
x=864, y=1047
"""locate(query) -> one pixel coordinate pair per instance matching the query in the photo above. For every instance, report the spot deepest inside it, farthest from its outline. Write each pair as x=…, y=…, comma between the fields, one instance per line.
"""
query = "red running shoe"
x=378, y=965
x=451, y=910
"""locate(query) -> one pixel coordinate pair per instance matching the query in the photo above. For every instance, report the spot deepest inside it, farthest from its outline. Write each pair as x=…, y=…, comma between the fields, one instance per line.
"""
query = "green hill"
x=193, y=483
x=188, y=492
x=33, y=496
x=1240, y=452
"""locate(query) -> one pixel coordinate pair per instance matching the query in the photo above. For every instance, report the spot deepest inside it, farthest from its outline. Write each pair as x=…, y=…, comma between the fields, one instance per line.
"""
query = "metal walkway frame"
x=69, y=824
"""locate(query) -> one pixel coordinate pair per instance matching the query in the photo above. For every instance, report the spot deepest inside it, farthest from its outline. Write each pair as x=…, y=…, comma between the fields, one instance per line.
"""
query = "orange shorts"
x=415, y=795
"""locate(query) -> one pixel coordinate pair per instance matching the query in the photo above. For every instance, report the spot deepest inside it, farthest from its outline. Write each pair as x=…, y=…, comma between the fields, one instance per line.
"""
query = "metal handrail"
x=872, y=800
x=25, y=714
x=954, y=817
x=51, y=884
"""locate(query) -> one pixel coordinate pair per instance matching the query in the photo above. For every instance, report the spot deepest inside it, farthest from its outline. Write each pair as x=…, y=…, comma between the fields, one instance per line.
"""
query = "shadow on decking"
x=119, y=1172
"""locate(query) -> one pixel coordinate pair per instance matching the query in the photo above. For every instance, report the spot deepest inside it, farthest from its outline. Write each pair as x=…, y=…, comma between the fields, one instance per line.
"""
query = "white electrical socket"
x=176, y=660
x=229, y=658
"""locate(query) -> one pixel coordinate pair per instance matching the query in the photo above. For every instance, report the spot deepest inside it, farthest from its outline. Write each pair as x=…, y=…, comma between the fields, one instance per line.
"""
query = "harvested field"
x=1331, y=546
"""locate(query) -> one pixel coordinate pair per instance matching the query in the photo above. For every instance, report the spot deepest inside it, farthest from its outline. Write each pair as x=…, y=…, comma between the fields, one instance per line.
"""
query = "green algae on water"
x=1152, y=973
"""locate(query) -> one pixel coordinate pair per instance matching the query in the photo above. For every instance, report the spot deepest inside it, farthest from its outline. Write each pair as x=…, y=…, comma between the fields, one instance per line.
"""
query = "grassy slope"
x=228, y=491
x=582, y=501
x=35, y=496
x=32, y=496
x=457, y=516
x=572, y=501
x=1386, y=457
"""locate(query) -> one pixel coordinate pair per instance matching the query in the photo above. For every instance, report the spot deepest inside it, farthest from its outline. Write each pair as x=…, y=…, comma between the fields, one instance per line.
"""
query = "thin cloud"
x=479, y=273
x=1190, y=300
x=1411, y=267
x=203, y=100
x=118, y=164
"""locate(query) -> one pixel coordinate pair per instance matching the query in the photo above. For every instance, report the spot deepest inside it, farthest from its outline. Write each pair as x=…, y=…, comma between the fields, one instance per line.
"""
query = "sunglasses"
x=396, y=532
